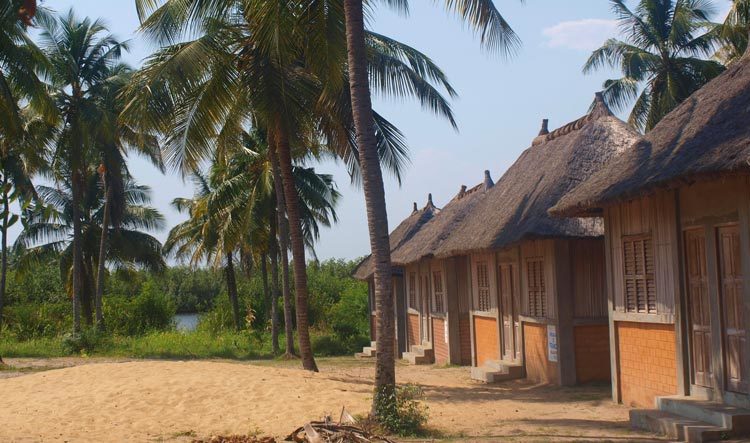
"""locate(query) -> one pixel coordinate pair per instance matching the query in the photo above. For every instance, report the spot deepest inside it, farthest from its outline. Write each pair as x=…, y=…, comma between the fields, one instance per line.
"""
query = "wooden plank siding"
x=589, y=278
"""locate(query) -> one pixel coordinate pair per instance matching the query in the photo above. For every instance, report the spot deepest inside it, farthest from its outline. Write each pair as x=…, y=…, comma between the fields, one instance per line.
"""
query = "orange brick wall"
x=538, y=368
x=647, y=358
x=592, y=353
x=464, y=331
x=439, y=344
x=485, y=339
x=373, y=327
x=413, y=331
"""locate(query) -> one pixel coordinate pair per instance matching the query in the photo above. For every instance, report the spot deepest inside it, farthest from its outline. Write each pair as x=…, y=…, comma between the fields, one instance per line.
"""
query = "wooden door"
x=509, y=311
x=424, y=294
x=733, y=328
x=699, y=307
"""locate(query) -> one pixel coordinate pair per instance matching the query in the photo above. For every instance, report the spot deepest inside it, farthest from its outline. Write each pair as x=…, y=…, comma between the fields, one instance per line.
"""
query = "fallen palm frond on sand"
x=325, y=431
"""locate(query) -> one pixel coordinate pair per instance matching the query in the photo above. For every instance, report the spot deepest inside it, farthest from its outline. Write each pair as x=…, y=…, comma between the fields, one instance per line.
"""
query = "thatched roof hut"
x=403, y=232
x=705, y=136
x=436, y=231
x=516, y=207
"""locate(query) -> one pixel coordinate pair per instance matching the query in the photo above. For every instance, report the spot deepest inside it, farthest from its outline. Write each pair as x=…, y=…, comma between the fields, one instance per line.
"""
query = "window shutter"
x=483, y=287
x=413, y=290
x=640, y=286
x=437, y=285
x=537, y=292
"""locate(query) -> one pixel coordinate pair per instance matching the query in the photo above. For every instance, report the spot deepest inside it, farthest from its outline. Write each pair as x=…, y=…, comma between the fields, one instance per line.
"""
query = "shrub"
x=84, y=342
x=332, y=345
x=400, y=411
x=28, y=321
x=150, y=311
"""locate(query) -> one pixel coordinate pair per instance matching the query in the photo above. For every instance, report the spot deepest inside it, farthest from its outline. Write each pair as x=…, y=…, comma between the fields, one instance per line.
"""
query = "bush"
x=28, y=321
x=400, y=411
x=149, y=311
x=84, y=342
x=332, y=345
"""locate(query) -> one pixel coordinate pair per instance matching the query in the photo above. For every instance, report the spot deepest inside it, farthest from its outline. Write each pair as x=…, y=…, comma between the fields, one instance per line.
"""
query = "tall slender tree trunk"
x=77, y=259
x=102, y=254
x=377, y=215
x=232, y=291
x=273, y=250
x=264, y=281
x=283, y=151
x=4, y=259
x=283, y=248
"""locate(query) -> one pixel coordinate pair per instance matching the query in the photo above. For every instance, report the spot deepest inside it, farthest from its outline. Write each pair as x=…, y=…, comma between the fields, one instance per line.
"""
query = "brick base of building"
x=464, y=331
x=485, y=339
x=592, y=353
x=412, y=331
x=439, y=344
x=538, y=367
x=647, y=360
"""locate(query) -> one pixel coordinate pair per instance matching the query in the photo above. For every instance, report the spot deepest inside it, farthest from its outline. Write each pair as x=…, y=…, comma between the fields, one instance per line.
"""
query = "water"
x=186, y=322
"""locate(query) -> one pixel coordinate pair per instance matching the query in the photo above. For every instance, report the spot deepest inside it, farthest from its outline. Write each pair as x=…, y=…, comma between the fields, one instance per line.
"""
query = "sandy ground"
x=105, y=400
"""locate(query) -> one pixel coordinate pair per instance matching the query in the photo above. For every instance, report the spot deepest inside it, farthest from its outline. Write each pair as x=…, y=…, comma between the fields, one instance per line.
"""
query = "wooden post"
x=680, y=306
x=566, y=358
x=614, y=360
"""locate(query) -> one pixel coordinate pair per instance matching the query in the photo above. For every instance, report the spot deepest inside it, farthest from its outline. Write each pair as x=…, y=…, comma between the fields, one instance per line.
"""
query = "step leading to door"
x=368, y=351
x=495, y=371
x=420, y=354
x=675, y=427
x=717, y=414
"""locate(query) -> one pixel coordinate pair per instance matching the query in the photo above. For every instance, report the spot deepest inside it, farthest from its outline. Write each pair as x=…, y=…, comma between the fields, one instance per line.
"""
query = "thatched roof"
x=430, y=238
x=516, y=207
x=705, y=136
x=403, y=232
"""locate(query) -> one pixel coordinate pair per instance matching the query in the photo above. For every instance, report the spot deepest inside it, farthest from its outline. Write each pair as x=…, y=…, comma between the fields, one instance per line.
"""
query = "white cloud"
x=581, y=35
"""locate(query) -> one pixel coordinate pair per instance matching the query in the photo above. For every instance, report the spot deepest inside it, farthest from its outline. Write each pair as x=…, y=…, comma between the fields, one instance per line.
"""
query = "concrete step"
x=730, y=417
x=368, y=351
x=495, y=371
x=675, y=427
x=420, y=354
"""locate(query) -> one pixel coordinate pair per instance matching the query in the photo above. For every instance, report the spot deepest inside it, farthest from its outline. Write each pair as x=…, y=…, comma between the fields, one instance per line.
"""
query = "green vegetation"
x=139, y=308
x=401, y=412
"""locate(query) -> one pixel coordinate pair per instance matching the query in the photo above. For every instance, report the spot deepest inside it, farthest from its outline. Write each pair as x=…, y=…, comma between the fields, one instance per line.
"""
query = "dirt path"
x=111, y=400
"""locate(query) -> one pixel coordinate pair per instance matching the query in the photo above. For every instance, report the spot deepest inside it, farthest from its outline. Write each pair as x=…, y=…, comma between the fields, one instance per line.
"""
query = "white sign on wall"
x=551, y=343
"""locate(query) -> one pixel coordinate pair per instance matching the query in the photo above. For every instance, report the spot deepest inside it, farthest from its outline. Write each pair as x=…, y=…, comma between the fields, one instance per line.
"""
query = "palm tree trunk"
x=77, y=259
x=377, y=215
x=284, y=154
x=264, y=282
x=102, y=255
x=273, y=250
x=4, y=264
x=283, y=248
x=232, y=291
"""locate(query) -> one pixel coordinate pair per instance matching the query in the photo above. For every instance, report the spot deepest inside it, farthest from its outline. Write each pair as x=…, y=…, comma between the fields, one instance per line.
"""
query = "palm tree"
x=112, y=140
x=50, y=228
x=239, y=73
x=496, y=34
x=81, y=53
x=661, y=57
x=733, y=33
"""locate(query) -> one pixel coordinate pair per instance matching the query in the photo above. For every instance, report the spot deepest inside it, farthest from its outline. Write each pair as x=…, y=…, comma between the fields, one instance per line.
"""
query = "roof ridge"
x=598, y=110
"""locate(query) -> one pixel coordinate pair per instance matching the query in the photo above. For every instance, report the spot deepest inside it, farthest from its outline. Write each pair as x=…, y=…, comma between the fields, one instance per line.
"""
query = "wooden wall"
x=655, y=216
x=589, y=278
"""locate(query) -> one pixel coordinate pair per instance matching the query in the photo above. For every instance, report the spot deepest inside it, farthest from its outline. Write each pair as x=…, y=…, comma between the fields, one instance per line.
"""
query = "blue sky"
x=499, y=110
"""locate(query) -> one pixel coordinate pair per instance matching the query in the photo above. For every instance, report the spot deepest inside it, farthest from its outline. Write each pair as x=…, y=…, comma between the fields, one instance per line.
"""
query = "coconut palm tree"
x=239, y=72
x=50, y=228
x=660, y=57
x=495, y=34
x=81, y=54
x=113, y=139
x=733, y=33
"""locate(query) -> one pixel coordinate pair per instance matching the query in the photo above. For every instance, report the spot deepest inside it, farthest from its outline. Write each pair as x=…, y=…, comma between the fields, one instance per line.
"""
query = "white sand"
x=162, y=400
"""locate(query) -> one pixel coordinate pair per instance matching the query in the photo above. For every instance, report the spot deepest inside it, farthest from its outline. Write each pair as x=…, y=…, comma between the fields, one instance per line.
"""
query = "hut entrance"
x=509, y=312
x=716, y=313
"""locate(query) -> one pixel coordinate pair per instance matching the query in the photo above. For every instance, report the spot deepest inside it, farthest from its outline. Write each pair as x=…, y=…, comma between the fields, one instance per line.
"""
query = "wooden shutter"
x=730, y=274
x=483, y=287
x=640, y=287
x=438, y=292
x=413, y=290
x=537, y=294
